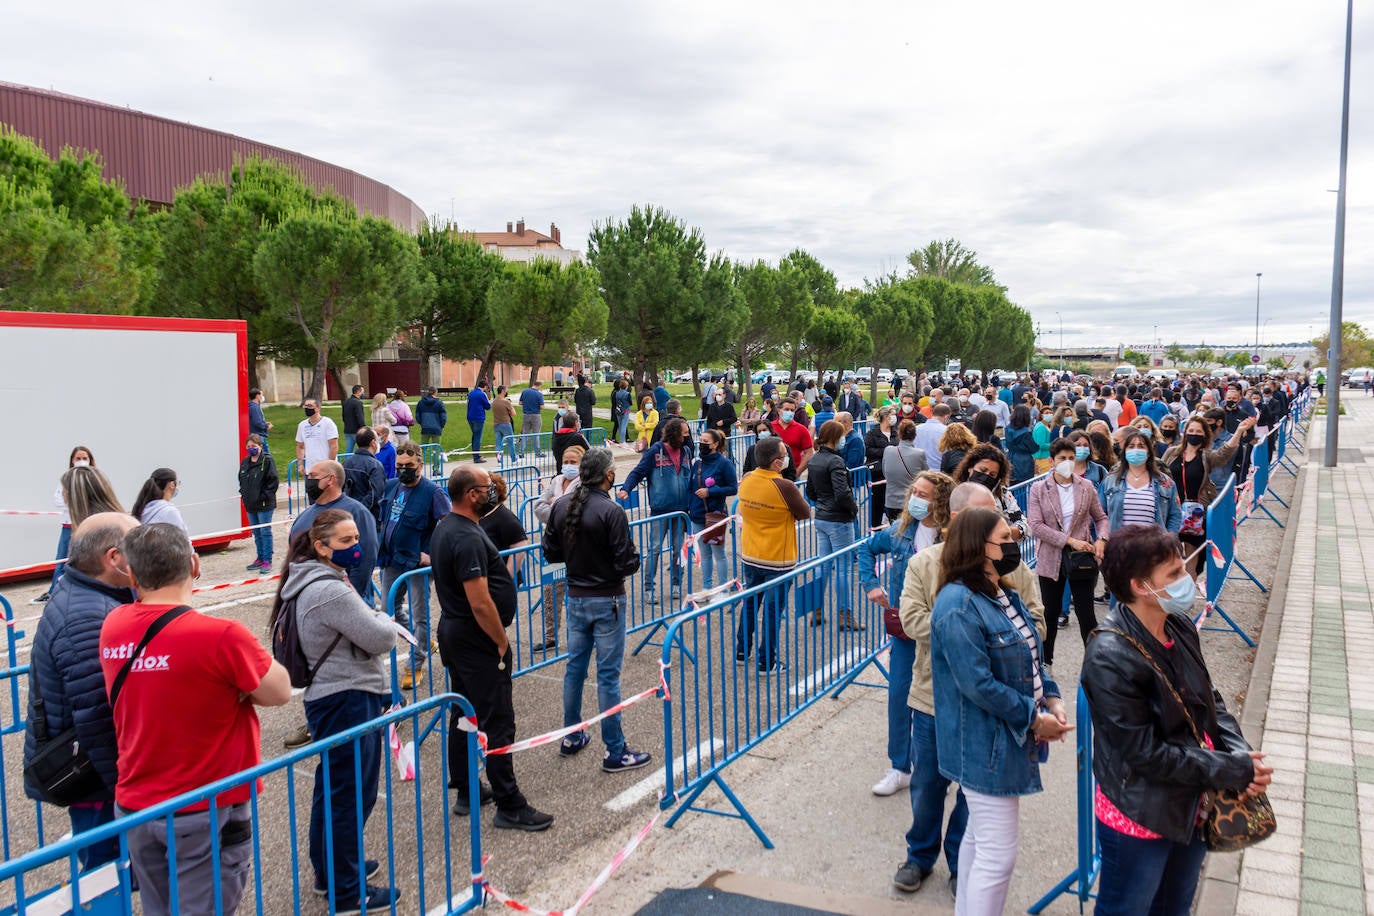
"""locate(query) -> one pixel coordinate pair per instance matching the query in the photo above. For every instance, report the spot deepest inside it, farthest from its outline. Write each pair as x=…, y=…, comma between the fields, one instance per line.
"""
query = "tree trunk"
x=317, y=375
x=696, y=380
x=487, y=361
x=338, y=384
x=820, y=371
x=426, y=352
x=796, y=356
x=534, y=374
x=747, y=375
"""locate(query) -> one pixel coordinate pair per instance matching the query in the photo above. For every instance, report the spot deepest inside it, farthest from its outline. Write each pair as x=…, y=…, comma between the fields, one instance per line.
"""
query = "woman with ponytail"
x=346, y=644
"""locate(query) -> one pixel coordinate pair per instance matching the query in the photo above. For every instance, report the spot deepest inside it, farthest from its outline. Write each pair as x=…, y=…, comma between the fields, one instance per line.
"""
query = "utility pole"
x=1333, y=366
x=1257, y=300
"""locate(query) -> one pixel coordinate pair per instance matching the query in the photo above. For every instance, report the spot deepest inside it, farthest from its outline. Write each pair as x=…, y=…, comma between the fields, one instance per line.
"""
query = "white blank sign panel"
x=140, y=393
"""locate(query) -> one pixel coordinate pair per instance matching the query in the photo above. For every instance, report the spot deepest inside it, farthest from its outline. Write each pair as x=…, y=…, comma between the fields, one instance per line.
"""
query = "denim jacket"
x=899, y=546
x=1168, y=512
x=669, y=487
x=984, y=693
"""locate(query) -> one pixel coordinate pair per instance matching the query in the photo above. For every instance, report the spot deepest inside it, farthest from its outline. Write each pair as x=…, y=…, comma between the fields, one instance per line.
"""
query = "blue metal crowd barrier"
x=522, y=482
x=1259, y=482
x=537, y=448
x=444, y=882
x=432, y=456
x=13, y=721
x=540, y=592
x=1080, y=881
x=729, y=691
x=738, y=446
x=1221, y=531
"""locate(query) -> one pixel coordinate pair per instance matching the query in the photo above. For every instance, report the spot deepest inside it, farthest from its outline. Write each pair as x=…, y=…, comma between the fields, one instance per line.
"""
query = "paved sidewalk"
x=1318, y=724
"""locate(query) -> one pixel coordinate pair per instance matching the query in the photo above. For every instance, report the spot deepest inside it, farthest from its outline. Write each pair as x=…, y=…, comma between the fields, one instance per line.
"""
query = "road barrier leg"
x=1231, y=626
x=853, y=678
x=740, y=812
x=1251, y=576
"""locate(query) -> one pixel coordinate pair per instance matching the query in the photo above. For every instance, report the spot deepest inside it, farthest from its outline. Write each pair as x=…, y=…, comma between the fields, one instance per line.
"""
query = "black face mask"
x=1168, y=433
x=1233, y=405
x=1010, y=559
x=1195, y=438
x=309, y=411
x=408, y=476
x=489, y=502
x=983, y=478
x=704, y=449
x=312, y=488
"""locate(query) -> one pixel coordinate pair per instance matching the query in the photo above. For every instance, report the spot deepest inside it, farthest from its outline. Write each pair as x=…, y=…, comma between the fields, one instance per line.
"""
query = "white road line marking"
x=235, y=602
x=654, y=781
x=820, y=680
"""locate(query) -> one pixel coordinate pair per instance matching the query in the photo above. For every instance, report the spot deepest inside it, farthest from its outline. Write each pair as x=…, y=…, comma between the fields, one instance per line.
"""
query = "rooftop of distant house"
x=518, y=235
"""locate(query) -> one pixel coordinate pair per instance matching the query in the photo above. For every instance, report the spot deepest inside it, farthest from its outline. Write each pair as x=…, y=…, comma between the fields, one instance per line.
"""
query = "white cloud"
x=1120, y=166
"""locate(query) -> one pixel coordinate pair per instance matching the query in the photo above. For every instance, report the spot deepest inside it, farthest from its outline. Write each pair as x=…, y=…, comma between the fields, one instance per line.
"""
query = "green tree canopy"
x=1175, y=353
x=959, y=323
x=651, y=268
x=336, y=286
x=451, y=316
x=545, y=310
x=835, y=337
x=950, y=260
x=1356, y=347
x=69, y=240
x=899, y=320
x=1007, y=337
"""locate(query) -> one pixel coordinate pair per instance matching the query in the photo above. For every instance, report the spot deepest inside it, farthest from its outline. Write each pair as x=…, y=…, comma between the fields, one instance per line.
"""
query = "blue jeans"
x=774, y=600
x=1139, y=877
x=596, y=623
x=658, y=531
x=502, y=431
x=64, y=543
x=830, y=537
x=88, y=817
x=262, y=537
x=415, y=615
x=350, y=443
x=327, y=716
x=476, y=427
x=621, y=425
x=712, y=558
x=928, y=791
x=899, y=714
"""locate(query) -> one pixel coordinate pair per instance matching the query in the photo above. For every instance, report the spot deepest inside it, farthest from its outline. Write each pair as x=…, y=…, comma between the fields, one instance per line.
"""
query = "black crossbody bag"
x=61, y=769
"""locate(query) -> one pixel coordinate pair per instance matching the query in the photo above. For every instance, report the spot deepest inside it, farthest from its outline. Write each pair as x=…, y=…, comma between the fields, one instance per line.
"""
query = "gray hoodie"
x=327, y=605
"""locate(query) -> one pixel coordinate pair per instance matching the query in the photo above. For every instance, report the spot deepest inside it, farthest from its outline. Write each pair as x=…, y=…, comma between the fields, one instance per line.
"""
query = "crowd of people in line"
x=1119, y=473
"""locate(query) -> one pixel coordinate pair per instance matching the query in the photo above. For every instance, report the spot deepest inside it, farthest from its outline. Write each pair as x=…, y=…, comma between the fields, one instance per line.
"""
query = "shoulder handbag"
x=60, y=768
x=716, y=536
x=1234, y=820
x=1078, y=564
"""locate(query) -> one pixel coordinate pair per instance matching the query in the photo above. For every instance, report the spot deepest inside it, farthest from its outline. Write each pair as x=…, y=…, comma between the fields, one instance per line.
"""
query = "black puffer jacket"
x=258, y=484
x=1145, y=757
x=827, y=485
x=66, y=663
x=602, y=554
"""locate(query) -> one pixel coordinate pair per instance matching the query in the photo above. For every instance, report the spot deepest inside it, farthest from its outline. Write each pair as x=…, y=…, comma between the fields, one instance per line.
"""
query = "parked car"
x=1125, y=372
x=1357, y=378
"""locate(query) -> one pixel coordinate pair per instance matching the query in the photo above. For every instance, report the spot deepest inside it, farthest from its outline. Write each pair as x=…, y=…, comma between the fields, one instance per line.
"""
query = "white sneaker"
x=892, y=782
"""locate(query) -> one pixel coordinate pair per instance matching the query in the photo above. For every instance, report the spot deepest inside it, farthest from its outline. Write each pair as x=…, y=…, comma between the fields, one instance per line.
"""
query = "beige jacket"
x=919, y=588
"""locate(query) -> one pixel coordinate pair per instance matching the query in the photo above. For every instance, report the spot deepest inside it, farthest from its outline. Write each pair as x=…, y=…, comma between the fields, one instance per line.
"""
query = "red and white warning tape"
x=597, y=883
x=223, y=585
x=690, y=552
x=469, y=723
x=30, y=511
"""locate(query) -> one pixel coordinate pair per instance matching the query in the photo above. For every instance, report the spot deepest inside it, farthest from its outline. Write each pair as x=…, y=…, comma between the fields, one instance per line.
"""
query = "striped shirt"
x=1023, y=627
x=1138, y=507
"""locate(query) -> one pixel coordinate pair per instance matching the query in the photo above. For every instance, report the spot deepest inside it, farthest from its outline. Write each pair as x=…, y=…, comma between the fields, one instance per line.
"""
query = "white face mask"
x=1064, y=469
x=81, y=463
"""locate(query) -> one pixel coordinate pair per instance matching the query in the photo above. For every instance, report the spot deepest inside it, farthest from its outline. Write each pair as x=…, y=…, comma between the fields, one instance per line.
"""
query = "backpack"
x=286, y=647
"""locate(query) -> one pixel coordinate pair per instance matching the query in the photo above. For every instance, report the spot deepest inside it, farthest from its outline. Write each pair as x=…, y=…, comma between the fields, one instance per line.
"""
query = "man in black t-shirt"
x=477, y=602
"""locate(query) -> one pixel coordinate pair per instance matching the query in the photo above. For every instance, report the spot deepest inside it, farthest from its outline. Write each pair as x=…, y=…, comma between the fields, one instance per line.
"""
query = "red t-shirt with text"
x=182, y=720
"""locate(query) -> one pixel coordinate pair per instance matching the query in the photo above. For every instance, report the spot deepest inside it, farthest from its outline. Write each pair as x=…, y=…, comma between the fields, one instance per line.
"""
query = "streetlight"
x=1257, y=327
x=1061, y=341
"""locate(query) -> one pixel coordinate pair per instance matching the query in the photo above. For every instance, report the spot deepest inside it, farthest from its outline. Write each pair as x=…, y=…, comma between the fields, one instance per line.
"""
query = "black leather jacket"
x=602, y=554
x=1145, y=757
x=827, y=483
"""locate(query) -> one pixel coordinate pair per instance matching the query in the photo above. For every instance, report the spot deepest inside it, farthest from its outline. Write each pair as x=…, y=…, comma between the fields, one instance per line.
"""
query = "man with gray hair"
x=928, y=786
x=184, y=686
x=66, y=686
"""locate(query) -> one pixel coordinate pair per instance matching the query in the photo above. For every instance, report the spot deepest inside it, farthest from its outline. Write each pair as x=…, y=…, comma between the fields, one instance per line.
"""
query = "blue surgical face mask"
x=347, y=557
x=570, y=471
x=787, y=416
x=917, y=507
x=764, y=434
x=561, y=411
x=1178, y=596
x=1081, y=453
x=1135, y=457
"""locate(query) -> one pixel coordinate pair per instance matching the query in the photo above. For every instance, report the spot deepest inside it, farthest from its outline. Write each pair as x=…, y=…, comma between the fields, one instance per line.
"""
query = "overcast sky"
x=1121, y=166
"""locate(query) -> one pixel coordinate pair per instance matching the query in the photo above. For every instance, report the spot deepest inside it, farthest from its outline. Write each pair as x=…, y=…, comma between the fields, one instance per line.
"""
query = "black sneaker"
x=526, y=818
x=573, y=743
x=741, y=658
x=370, y=869
x=909, y=877
x=1063, y=621
x=954, y=886
x=462, y=805
x=41, y=599
x=774, y=668
x=626, y=760
x=378, y=899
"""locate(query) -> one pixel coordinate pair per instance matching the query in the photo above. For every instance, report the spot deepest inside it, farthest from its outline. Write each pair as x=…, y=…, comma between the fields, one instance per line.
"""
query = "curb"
x=1221, y=876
